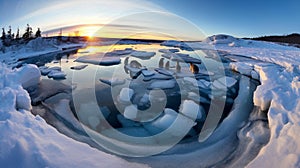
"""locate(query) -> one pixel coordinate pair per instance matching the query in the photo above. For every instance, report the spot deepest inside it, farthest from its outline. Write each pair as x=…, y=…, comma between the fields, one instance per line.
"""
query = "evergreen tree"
x=9, y=33
x=18, y=34
x=38, y=33
x=28, y=32
x=3, y=37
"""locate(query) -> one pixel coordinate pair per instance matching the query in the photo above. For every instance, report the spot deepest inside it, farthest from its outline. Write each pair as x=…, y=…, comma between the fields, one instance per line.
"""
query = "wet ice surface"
x=128, y=83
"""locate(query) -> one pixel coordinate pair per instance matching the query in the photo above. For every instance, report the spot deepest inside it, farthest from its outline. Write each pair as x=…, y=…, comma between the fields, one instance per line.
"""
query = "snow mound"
x=28, y=75
x=221, y=39
x=279, y=93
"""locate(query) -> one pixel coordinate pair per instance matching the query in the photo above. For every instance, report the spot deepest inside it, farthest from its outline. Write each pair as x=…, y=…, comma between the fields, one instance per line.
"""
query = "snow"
x=99, y=60
x=36, y=47
x=142, y=54
x=277, y=68
x=162, y=84
x=28, y=141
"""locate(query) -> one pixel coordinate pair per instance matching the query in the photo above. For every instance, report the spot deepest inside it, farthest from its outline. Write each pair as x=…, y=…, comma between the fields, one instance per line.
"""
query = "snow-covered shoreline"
x=28, y=141
x=37, y=48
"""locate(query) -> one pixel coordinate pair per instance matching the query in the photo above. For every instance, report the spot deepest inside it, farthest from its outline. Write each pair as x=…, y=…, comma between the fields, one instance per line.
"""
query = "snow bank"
x=28, y=141
x=278, y=69
x=280, y=93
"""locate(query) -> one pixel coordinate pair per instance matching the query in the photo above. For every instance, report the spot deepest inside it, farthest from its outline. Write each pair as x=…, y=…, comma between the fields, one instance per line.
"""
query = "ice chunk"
x=125, y=95
x=44, y=70
x=79, y=67
x=204, y=84
x=192, y=110
x=130, y=112
x=254, y=75
x=176, y=123
x=157, y=76
x=126, y=122
x=171, y=43
x=113, y=82
x=126, y=51
x=224, y=82
x=57, y=75
x=170, y=50
x=164, y=71
x=142, y=54
x=241, y=67
x=162, y=84
x=147, y=73
x=99, y=60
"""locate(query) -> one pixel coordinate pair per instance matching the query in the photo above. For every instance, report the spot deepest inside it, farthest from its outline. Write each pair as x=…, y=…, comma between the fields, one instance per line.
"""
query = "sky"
x=190, y=19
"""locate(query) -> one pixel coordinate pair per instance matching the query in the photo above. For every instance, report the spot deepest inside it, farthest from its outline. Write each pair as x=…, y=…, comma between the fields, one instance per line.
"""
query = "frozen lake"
x=142, y=95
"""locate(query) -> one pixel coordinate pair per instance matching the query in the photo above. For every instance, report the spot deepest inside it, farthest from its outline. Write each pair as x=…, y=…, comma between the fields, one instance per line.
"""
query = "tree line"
x=8, y=37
